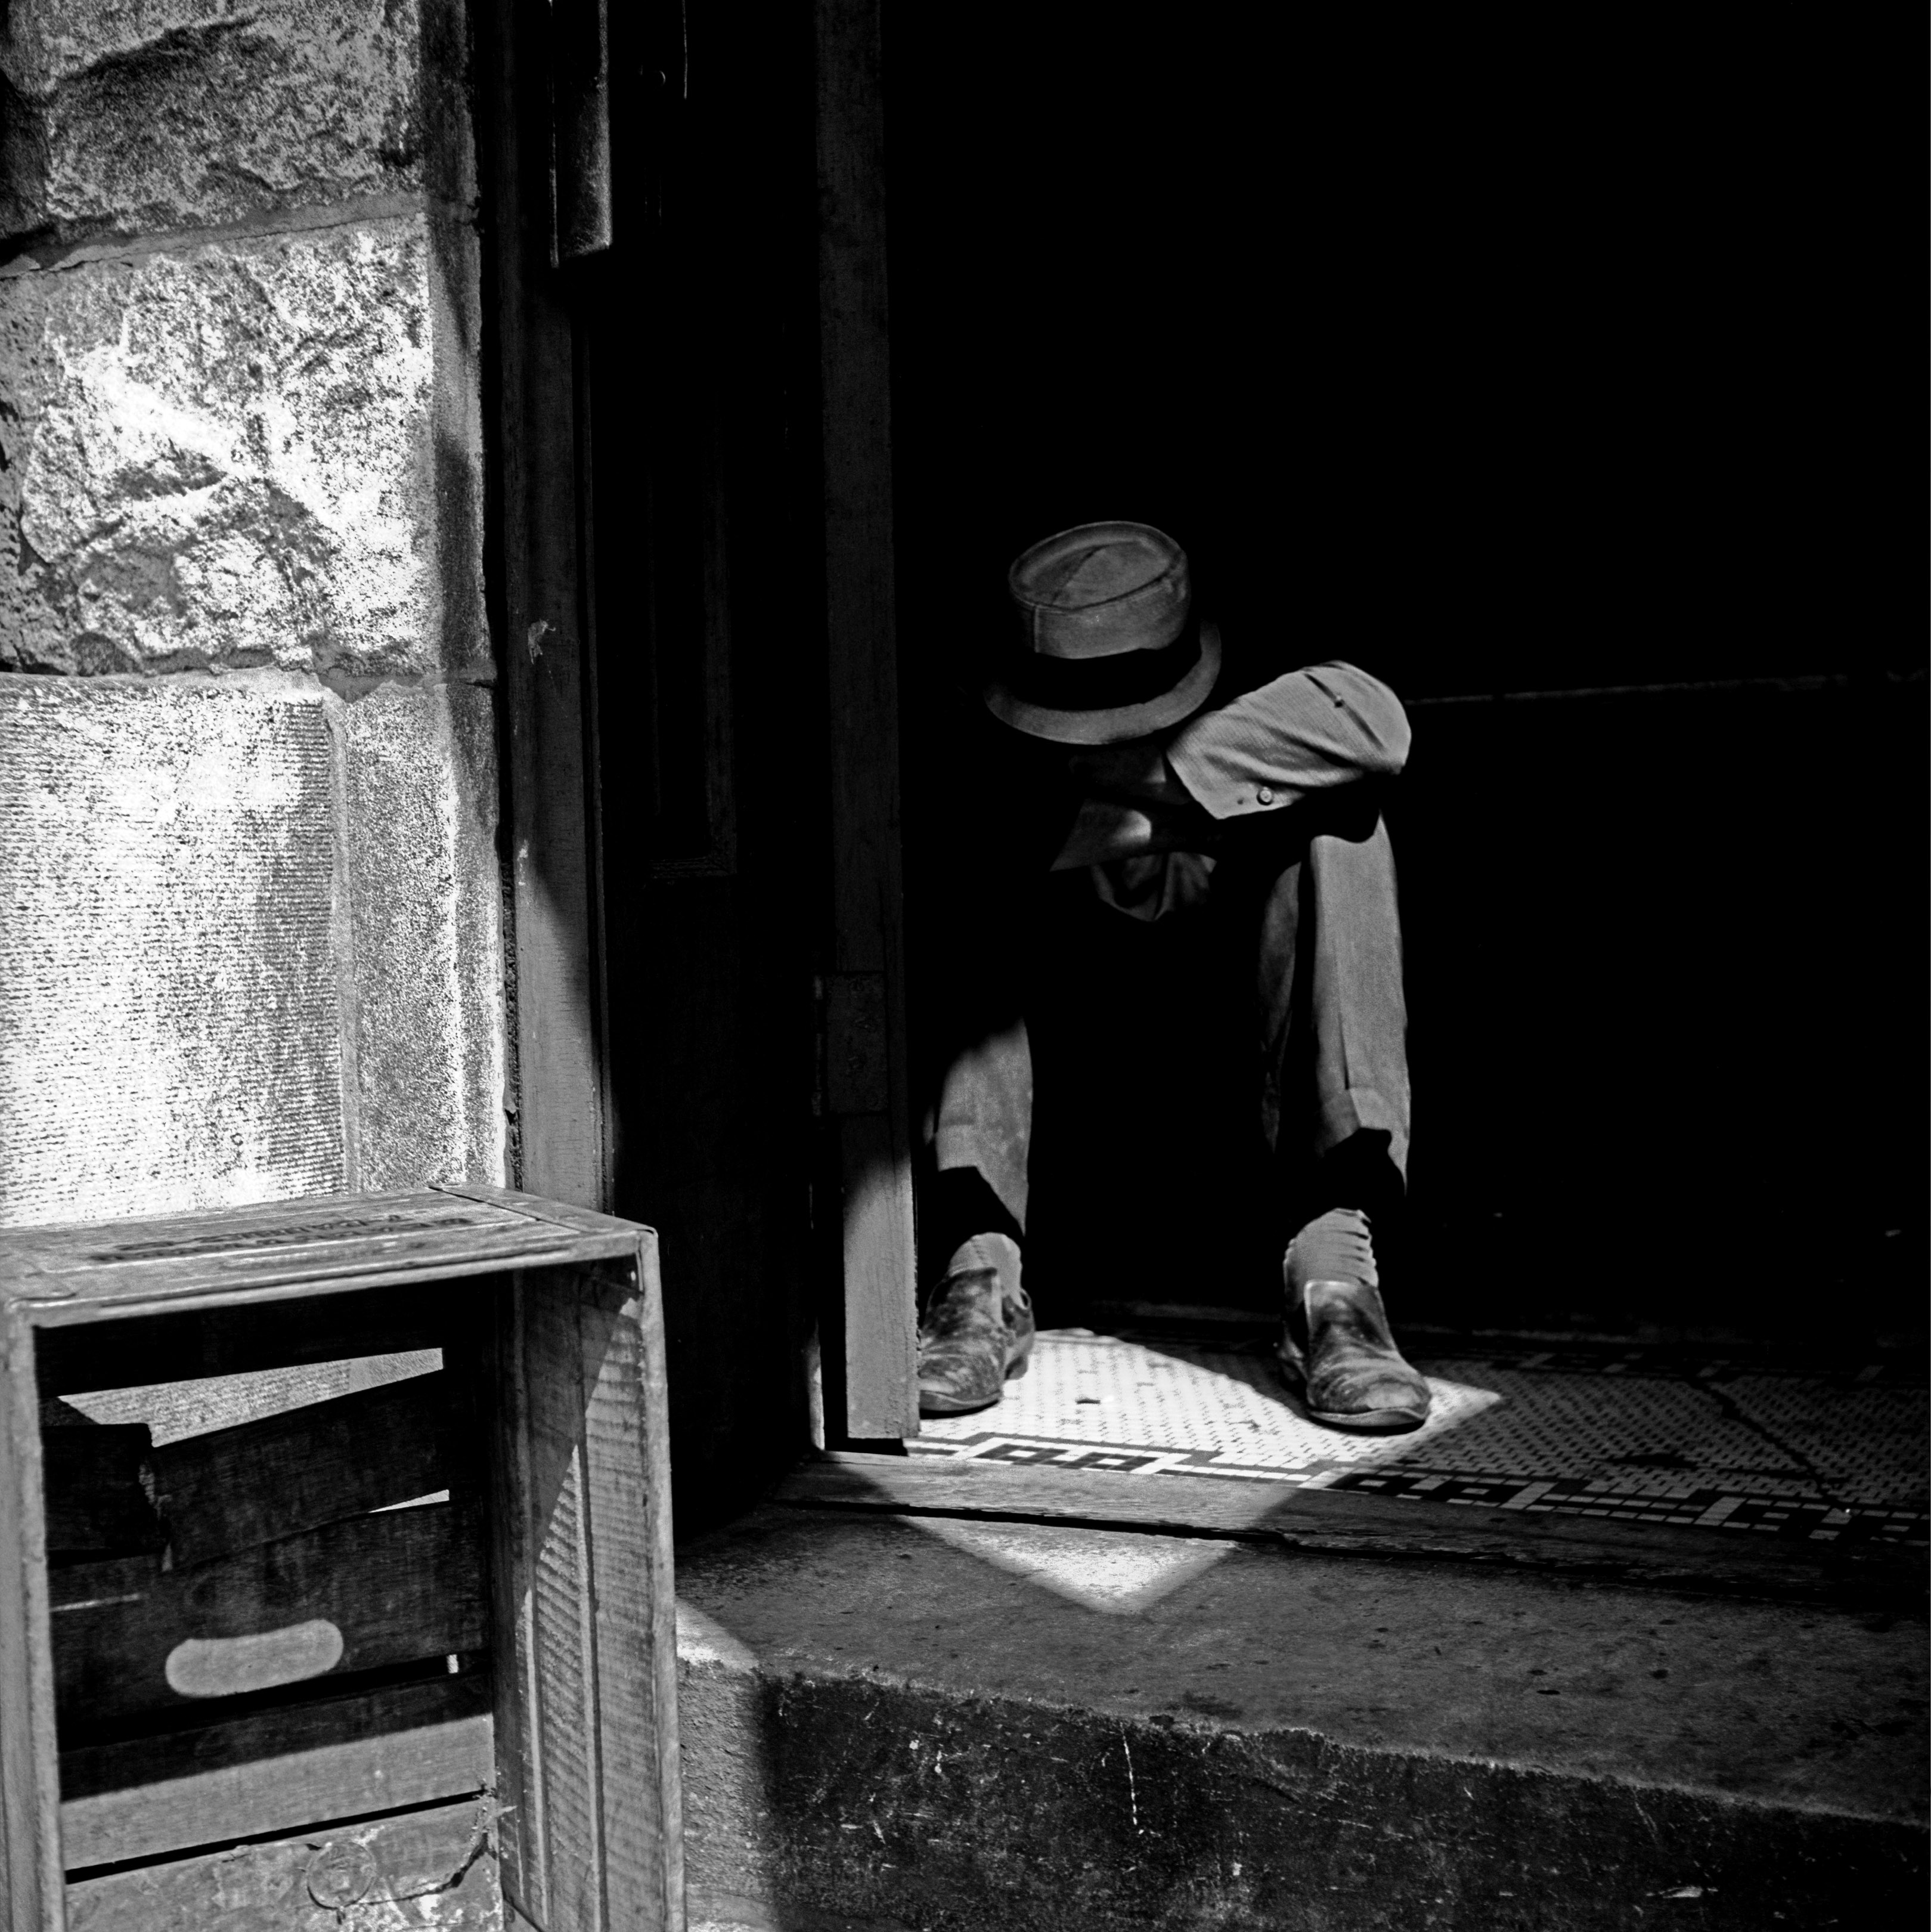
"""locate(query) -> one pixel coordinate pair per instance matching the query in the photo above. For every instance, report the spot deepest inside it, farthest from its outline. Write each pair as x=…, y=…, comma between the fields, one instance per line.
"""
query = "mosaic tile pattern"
x=1716, y=1446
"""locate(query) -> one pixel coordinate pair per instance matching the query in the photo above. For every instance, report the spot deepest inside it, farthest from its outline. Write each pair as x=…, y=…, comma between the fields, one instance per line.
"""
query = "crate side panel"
x=495, y=1368
x=30, y=1857
x=627, y=1466
x=563, y=1645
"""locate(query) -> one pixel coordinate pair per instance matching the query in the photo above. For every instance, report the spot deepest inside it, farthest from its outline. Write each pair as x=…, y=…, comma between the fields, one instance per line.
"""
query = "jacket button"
x=1265, y=795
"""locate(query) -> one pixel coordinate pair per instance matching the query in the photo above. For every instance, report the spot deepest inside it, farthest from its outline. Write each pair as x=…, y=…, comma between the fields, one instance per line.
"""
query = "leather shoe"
x=977, y=1333
x=1337, y=1352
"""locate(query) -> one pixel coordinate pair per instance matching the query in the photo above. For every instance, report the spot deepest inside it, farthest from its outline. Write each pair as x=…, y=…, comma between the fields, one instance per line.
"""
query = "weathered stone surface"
x=169, y=1015
x=876, y=1805
x=133, y=116
x=208, y=886
x=425, y=921
x=258, y=452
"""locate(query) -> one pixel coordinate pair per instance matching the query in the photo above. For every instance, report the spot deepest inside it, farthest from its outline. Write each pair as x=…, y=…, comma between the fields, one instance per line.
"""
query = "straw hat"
x=1110, y=650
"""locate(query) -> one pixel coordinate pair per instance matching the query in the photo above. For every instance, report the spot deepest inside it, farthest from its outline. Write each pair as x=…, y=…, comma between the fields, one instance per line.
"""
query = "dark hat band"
x=1106, y=684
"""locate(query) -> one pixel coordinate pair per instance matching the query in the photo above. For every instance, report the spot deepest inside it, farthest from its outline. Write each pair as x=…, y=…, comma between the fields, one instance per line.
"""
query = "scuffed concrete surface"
x=425, y=913
x=169, y=1019
x=132, y=116
x=252, y=453
x=1778, y=1703
x=947, y=1724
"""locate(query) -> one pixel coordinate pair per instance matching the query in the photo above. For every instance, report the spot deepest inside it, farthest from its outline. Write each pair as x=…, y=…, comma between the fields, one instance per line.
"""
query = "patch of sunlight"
x=1117, y=1572
x=1175, y=1404
x=701, y=1639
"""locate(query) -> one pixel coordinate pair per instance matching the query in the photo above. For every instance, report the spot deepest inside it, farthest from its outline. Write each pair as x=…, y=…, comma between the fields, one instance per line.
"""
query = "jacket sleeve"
x=1329, y=725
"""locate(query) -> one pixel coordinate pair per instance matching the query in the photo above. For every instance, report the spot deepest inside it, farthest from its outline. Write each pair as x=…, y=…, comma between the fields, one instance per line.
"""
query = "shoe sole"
x=1371, y=1422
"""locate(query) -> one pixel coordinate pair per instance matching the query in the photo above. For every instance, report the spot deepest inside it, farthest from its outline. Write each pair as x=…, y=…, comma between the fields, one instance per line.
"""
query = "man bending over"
x=1248, y=815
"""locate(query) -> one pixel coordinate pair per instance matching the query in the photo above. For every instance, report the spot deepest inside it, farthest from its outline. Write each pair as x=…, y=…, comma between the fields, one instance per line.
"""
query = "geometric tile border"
x=1630, y=1435
x=1702, y=1508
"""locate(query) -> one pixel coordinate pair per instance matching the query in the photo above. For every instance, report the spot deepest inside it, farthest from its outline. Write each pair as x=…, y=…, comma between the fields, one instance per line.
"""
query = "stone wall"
x=249, y=943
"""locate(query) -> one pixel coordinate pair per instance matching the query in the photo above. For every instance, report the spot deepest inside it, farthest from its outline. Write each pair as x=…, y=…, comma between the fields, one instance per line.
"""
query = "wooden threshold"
x=1341, y=1523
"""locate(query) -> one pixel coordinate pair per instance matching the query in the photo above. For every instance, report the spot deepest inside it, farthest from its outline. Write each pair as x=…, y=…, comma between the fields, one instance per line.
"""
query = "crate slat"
x=57, y=1248
x=429, y=1870
x=84, y=1272
x=136, y=1351
x=236, y=1280
x=277, y=1770
x=375, y=1590
x=259, y=1481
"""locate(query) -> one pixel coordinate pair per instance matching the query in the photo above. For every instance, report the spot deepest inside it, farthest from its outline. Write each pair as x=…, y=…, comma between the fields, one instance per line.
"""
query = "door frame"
x=869, y=1390
x=538, y=134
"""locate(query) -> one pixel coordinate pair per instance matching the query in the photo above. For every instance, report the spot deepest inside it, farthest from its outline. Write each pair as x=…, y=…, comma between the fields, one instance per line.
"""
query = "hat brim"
x=1123, y=721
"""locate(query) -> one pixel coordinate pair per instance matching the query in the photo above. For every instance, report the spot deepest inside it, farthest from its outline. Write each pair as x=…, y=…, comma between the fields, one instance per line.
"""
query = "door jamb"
x=869, y=1381
x=537, y=570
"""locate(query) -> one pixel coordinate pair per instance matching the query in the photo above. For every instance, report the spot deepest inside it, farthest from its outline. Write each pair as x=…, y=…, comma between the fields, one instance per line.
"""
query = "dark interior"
x=1542, y=369
x=417, y=1652
x=697, y=331
x=1521, y=364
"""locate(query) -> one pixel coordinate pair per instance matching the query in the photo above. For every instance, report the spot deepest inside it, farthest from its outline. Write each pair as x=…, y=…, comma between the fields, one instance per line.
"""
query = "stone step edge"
x=1231, y=1822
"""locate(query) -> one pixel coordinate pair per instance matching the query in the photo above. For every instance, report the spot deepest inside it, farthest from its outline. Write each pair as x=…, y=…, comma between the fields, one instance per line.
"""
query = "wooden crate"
x=402, y=1653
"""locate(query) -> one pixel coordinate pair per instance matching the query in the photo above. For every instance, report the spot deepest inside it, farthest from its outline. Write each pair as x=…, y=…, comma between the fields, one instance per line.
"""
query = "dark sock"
x=1358, y=1173
x=954, y=1204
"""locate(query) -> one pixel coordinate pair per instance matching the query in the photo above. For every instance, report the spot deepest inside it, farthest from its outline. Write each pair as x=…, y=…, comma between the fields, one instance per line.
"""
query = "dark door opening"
x=1426, y=371
x=1526, y=376
x=695, y=359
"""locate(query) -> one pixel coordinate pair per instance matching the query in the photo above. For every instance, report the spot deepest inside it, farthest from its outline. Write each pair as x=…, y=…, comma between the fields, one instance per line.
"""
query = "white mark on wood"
x=225, y=1666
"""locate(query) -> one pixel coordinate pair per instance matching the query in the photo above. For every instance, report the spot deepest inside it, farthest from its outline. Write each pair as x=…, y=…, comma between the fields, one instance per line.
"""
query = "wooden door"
x=746, y=732
x=869, y=1356
x=704, y=716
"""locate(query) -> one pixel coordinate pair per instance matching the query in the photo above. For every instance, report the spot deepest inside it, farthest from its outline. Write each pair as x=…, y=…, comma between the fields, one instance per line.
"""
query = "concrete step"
x=938, y=1699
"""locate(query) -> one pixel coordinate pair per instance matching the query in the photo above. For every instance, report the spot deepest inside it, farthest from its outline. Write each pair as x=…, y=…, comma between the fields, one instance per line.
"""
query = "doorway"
x=697, y=402
x=1522, y=374
x=1374, y=332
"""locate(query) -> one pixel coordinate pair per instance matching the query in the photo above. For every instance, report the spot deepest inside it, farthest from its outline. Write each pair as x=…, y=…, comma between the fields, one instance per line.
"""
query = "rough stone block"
x=256, y=452
x=171, y=1019
x=426, y=930
x=134, y=116
x=209, y=887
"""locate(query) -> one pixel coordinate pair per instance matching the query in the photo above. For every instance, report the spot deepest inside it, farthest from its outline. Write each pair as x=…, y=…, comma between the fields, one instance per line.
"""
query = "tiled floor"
x=1636, y=1434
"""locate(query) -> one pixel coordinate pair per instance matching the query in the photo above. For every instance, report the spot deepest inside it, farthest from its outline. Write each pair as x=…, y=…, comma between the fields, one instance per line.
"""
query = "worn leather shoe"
x=1337, y=1352
x=977, y=1333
